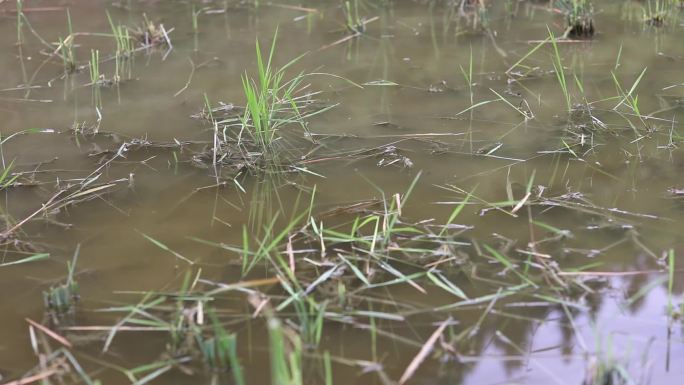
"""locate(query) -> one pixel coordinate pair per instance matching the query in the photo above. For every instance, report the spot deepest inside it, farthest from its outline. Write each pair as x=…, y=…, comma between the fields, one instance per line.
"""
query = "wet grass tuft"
x=579, y=16
x=60, y=300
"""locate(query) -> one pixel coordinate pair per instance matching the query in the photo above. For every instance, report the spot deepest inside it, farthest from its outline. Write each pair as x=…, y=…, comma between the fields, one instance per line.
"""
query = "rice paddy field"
x=470, y=192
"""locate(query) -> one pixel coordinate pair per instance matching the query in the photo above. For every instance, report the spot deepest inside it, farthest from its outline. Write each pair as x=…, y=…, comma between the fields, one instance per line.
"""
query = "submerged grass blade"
x=166, y=248
x=33, y=258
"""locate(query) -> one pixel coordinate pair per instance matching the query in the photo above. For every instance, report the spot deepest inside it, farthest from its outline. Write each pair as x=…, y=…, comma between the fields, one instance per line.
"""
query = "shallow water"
x=606, y=183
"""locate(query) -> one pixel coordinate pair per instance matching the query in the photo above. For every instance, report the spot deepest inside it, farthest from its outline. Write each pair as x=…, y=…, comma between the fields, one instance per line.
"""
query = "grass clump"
x=219, y=351
x=97, y=79
x=124, y=50
x=272, y=101
x=65, y=49
x=197, y=338
x=475, y=13
x=6, y=177
x=657, y=12
x=150, y=34
x=94, y=67
x=286, y=359
x=579, y=17
x=606, y=368
x=285, y=348
x=211, y=345
x=60, y=300
x=355, y=24
x=251, y=137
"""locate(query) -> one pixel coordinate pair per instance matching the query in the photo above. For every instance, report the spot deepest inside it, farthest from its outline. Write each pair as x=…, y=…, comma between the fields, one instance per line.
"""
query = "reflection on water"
x=562, y=249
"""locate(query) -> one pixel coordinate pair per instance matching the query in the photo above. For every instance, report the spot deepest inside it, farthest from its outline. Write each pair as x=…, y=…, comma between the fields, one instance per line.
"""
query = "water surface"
x=603, y=211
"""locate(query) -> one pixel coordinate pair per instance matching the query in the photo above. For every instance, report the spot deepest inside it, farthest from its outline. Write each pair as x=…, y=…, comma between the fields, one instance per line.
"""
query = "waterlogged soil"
x=563, y=261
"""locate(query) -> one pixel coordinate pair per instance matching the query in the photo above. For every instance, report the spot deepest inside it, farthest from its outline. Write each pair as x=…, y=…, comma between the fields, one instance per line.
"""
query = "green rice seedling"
x=96, y=79
x=508, y=265
x=526, y=113
x=468, y=75
x=66, y=49
x=482, y=19
x=20, y=24
x=285, y=354
x=520, y=61
x=268, y=245
x=645, y=290
x=182, y=328
x=251, y=136
x=167, y=249
x=560, y=71
x=161, y=313
x=395, y=209
x=327, y=368
x=385, y=225
x=219, y=352
x=144, y=374
x=23, y=21
x=151, y=35
x=94, y=67
x=268, y=98
x=215, y=352
x=6, y=178
x=189, y=339
x=61, y=300
x=657, y=12
x=604, y=369
x=578, y=16
x=271, y=103
x=67, y=55
x=310, y=316
x=628, y=97
x=475, y=12
x=216, y=142
x=457, y=210
x=124, y=50
x=580, y=87
x=195, y=26
x=353, y=22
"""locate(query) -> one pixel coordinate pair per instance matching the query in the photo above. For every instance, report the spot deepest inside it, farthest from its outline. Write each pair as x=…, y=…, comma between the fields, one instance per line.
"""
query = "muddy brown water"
x=623, y=171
